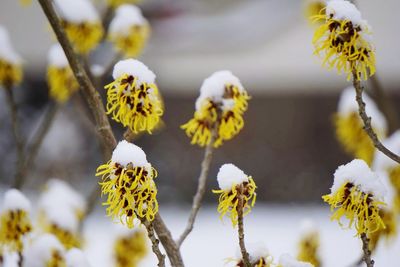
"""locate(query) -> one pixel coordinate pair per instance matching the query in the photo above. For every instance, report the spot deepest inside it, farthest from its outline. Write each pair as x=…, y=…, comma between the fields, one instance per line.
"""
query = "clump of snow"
x=7, y=52
x=15, y=200
x=256, y=251
x=308, y=227
x=134, y=68
x=77, y=11
x=76, y=258
x=229, y=175
x=126, y=16
x=97, y=70
x=40, y=250
x=213, y=87
x=126, y=153
x=56, y=57
x=359, y=174
x=348, y=104
x=383, y=162
x=344, y=10
x=287, y=260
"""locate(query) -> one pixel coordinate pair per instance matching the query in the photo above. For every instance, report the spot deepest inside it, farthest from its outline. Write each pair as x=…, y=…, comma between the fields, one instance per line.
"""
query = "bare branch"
x=367, y=121
x=154, y=243
x=240, y=207
x=367, y=253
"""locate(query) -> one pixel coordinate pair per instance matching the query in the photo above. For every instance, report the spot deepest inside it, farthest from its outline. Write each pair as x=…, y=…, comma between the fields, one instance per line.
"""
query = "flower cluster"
x=127, y=180
x=344, y=40
x=10, y=61
x=309, y=244
x=130, y=248
x=133, y=98
x=234, y=184
x=357, y=194
x=219, y=108
x=45, y=250
x=129, y=30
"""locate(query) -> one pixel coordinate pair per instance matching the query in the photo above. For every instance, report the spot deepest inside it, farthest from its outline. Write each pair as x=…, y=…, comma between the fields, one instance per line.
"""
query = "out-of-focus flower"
x=357, y=194
x=76, y=258
x=234, y=184
x=26, y=2
x=259, y=256
x=44, y=250
x=81, y=23
x=349, y=126
x=116, y=3
x=14, y=220
x=127, y=180
x=130, y=248
x=60, y=78
x=344, y=40
x=133, y=98
x=10, y=61
x=287, y=260
x=309, y=244
x=129, y=30
x=389, y=218
x=219, y=107
x=313, y=8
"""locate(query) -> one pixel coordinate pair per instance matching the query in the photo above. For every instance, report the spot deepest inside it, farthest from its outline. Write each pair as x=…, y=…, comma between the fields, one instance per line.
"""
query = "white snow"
x=56, y=56
x=126, y=16
x=15, y=200
x=213, y=87
x=97, y=70
x=7, y=52
x=256, y=250
x=134, y=68
x=383, y=162
x=344, y=10
x=347, y=104
x=229, y=175
x=76, y=258
x=359, y=174
x=308, y=227
x=126, y=153
x=39, y=252
x=287, y=260
x=77, y=11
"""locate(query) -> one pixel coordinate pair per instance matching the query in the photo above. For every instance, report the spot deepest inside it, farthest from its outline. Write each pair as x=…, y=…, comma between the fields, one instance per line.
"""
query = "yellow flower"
x=60, y=78
x=313, y=8
x=26, y=2
x=133, y=98
x=116, y=3
x=344, y=40
x=130, y=249
x=220, y=106
x=129, y=30
x=127, y=180
x=394, y=175
x=389, y=218
x=234, y=184
x=357, y=195
x=309, y=246
x=10, y=61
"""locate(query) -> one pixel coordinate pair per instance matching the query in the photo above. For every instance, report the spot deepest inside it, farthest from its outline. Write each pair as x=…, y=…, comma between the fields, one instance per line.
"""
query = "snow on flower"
x=259, y=255
x=76, y=258
x=309, y=243
x=10, y=61
x=44, y=250
x=287, y=260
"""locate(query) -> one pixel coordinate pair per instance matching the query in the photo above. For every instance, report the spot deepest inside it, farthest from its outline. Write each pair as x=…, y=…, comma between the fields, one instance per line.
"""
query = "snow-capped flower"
x=129, y=30
x=127, y=180
x=76, y=258
x=130, y=247
x=349, y=126
x=259, y=255
x=234, y=184
x=309, y=244
x=116, y=3
x=357, y=194
x=133, y=98
x=44, y=250
x=287, y=260
x=81, y=23
x=344, y=40
x=14, y=220
x=219, y=107
x=60, y=78
x=10, y=61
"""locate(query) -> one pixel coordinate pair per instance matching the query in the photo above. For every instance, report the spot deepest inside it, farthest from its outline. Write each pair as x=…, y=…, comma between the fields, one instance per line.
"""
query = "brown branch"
x=367, y=253
x=154, y=242
x=20, y=259
x=201, y=187
x=240, y=207
x=367, y=121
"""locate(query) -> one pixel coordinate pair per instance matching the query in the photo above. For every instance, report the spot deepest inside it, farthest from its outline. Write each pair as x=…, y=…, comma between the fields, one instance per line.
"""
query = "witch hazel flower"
x=344, y=40
x=234, y=184
x=10, y=61
x=44, y=250
x=15, y=222
x=357, y=194
x=287, y=260
x=309, y=243
x=129, y=31
x=220, y=108
x=130, y=247
x=127, y=180
x=259, y=255
x=349, y=126
x=81, y=23
x=313, y=8
x=61, y=80
x=133, y=98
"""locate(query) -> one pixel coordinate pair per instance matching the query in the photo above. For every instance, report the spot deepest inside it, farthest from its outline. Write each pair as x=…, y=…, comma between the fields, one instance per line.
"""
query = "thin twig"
x=367, y=253
x=240, y=207
x=154, y=242
x=367, y=121
x=201, y=187
x=20, y=259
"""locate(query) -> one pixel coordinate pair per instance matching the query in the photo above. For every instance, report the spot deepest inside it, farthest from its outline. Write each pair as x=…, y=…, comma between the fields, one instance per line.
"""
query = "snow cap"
x=256, y=251
x=77, y=11
x=229, y=175
x=134, y=68
x=359, y=174
x=7, y=52
x=76, y=258
x=383, y=162
x=344, y=10
x=348, y=104
x=15, y=200
x=308, y=227
x=126, y=16
x=39, y=252
x=126, y=153
x=287, y=260
x=56, y=57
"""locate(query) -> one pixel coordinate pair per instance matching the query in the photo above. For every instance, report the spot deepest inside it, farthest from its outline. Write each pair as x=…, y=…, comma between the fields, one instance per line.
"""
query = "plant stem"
x=240, y=207
x=155, y=243
x=366, y=251
x=20, y=259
